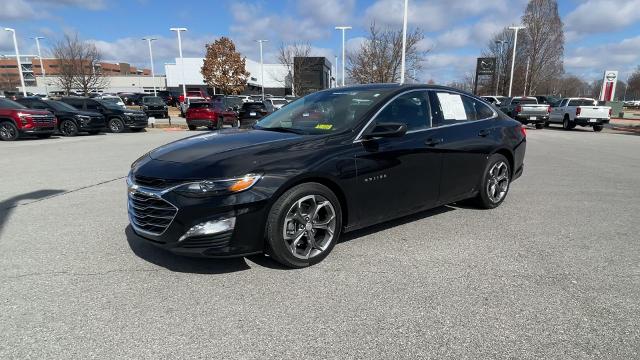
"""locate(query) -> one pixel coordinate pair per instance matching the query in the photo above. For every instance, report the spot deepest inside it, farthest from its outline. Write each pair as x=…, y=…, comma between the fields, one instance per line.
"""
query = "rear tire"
x=311, y=238
x=546, y=124
x=495, y=182
x=597, y=128
x=567, y=124
x=192, y=127
x=8, y=131
x=220, y=123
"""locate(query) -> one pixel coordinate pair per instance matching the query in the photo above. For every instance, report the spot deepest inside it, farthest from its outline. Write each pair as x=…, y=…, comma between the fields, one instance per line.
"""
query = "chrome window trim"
x=431, y=127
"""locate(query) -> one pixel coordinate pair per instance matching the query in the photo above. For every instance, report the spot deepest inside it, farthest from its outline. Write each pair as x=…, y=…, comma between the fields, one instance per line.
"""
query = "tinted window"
x=8, y=104
x=581, y=102
x=76, y=103
x=253, y=106
x=411, y=108
x=524, y=101
x=482, y=110
x=38, y=105
x=200, y=105
x=92, y=105
x=60, y=106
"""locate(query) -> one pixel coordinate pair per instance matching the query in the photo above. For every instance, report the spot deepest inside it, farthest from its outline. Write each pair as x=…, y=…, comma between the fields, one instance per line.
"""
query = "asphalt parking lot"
x=553, y=273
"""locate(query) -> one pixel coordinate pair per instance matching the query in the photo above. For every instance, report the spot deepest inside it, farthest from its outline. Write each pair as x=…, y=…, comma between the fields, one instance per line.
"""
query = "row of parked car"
x=68, y=115
x=542, y=111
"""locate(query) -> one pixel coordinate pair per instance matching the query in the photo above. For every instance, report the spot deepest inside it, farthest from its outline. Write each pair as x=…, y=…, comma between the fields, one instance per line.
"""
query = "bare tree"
x=543, y=44
x=464, y=84
x=500, y=47
x=378, y=60
x=572, y=86
x=633, y=92
x=287, y=54
x=224, y=67
x=77, y=61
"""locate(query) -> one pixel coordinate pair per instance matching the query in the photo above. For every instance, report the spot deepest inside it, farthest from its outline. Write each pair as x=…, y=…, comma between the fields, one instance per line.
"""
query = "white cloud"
x=327, y=12
x=592, y=61
x=599, y=16
x=16, y=9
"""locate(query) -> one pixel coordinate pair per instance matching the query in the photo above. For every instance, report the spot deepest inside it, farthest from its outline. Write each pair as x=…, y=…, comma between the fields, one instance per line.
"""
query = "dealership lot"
x=552, y=273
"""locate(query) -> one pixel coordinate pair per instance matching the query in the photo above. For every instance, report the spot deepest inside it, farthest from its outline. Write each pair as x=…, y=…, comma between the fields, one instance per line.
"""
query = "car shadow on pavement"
x=393, y=223
x=177, y=263
x=7, y=206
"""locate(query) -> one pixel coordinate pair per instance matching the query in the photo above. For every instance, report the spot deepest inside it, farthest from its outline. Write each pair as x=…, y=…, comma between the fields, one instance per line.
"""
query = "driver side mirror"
x=387, y=130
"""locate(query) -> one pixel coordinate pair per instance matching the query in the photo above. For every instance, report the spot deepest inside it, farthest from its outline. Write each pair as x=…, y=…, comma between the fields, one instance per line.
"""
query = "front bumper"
x=136, y=122
x=246, y=237
x=155, y=112
x=589, y=122
x=38, y=130
x=202, y=122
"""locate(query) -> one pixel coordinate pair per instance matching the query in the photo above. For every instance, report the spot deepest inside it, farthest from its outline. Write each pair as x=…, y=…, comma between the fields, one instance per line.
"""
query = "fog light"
x=210, y=228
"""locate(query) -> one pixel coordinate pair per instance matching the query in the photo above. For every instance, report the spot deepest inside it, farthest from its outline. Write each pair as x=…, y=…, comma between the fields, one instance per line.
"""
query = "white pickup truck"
x=580, y=111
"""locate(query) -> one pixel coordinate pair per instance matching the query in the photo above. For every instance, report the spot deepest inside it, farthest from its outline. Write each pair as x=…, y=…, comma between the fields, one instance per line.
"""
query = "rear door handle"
x=484, y=132
x=433, y=141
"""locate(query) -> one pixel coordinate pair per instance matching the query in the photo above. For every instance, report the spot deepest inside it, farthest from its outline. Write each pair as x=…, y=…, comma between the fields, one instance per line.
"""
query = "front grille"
x=150, y=213
x=216, y=241
x=43, y=120
x=155, y=183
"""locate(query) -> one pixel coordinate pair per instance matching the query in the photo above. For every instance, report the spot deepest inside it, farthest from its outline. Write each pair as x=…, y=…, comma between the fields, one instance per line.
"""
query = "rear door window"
x=411, y=108
x=92, y=105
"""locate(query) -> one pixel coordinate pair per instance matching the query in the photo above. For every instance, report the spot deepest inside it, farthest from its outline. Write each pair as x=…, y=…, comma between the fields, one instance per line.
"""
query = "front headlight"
x=219, y=187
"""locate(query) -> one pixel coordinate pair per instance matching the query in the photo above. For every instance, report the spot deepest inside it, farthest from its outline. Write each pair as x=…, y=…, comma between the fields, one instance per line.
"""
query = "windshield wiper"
x=281, y=129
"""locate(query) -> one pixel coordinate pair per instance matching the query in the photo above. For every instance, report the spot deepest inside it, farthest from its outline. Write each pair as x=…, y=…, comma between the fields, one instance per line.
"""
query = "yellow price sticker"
x=324, y=126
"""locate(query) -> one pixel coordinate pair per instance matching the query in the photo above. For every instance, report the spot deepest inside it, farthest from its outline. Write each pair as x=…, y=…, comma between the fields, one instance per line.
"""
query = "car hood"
x=214, y=145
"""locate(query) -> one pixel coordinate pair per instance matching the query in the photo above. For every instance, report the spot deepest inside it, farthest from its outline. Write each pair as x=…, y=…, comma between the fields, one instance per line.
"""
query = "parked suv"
x=210, y=114
x=71, y=121
x=16, y=121
x=154, y=106
x=118, y=119
x=251, y=112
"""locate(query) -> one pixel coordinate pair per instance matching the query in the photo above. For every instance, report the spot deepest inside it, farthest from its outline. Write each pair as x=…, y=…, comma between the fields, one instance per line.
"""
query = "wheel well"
x=7, y=120
x=332, y=186
x=506, y=153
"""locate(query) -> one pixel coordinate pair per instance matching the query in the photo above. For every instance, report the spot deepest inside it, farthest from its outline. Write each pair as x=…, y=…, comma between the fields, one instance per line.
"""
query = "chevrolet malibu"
x=329, y=163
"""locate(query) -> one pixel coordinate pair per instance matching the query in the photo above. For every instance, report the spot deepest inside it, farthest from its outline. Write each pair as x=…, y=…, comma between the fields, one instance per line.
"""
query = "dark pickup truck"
x=71, y=121
x=118, y=119
x=17, y=121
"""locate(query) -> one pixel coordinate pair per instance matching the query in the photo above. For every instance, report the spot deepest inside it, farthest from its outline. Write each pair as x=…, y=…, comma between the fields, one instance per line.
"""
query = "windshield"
x=324, y=112
x=8, y=104
x=110, y=104
x=60, y=106
x=154, y=100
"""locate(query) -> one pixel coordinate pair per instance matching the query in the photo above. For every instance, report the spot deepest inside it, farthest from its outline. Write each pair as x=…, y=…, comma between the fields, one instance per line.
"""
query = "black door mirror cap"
x=387, y=129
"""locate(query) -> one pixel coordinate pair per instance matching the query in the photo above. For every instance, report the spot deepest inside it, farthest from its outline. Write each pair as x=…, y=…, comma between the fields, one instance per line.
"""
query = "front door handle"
x=484, y=132
x=433, y=141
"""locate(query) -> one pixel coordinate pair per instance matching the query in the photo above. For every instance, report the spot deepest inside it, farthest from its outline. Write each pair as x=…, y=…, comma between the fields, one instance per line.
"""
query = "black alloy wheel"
x=68, y=128
x=116, y=125
x=8, y=131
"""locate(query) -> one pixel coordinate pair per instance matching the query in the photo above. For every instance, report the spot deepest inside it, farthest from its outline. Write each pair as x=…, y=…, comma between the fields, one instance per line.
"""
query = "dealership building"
x=277, y=77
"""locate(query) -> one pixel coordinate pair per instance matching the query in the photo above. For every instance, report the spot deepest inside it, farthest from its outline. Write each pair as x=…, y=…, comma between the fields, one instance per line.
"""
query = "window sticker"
x=452, y=106
x=324, y=126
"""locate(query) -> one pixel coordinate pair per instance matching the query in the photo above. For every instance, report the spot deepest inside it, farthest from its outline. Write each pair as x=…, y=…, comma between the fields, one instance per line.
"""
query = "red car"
x=16, y=121
x=211, y=115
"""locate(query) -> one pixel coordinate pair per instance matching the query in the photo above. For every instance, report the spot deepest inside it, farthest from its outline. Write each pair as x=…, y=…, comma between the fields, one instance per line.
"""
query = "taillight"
x=578, y=110
x=523, y=130
x=549, y=110
x=610, y=112
x=518, y=108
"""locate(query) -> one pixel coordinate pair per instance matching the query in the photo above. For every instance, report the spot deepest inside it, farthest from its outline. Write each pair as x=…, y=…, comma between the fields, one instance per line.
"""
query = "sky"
x=600, y=34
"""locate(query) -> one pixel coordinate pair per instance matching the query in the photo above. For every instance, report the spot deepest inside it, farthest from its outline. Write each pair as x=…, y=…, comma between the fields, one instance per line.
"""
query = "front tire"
x=8, y=131
x=115, y=125
x=192, y=127
x=495, y=182
x=303, y=225
x=68, y=128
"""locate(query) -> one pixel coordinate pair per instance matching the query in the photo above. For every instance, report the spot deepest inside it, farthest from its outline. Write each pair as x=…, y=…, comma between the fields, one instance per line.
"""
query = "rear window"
x=200, y=105
x=582, y=102
x=9, y=104
x=525, y=101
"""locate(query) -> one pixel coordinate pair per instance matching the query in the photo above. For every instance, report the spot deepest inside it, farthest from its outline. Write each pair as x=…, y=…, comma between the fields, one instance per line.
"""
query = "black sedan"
x=329, y=163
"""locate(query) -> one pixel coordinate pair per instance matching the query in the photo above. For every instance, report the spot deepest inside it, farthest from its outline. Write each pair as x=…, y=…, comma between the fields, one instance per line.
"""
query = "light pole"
x=335, y=82
x=44, y=73
x=500, y=44
x=262, y=67
x=153, y=74
x=404, y=40
x=184, y=86
x=513, y=59
x=343, y=28
x=15, y=44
